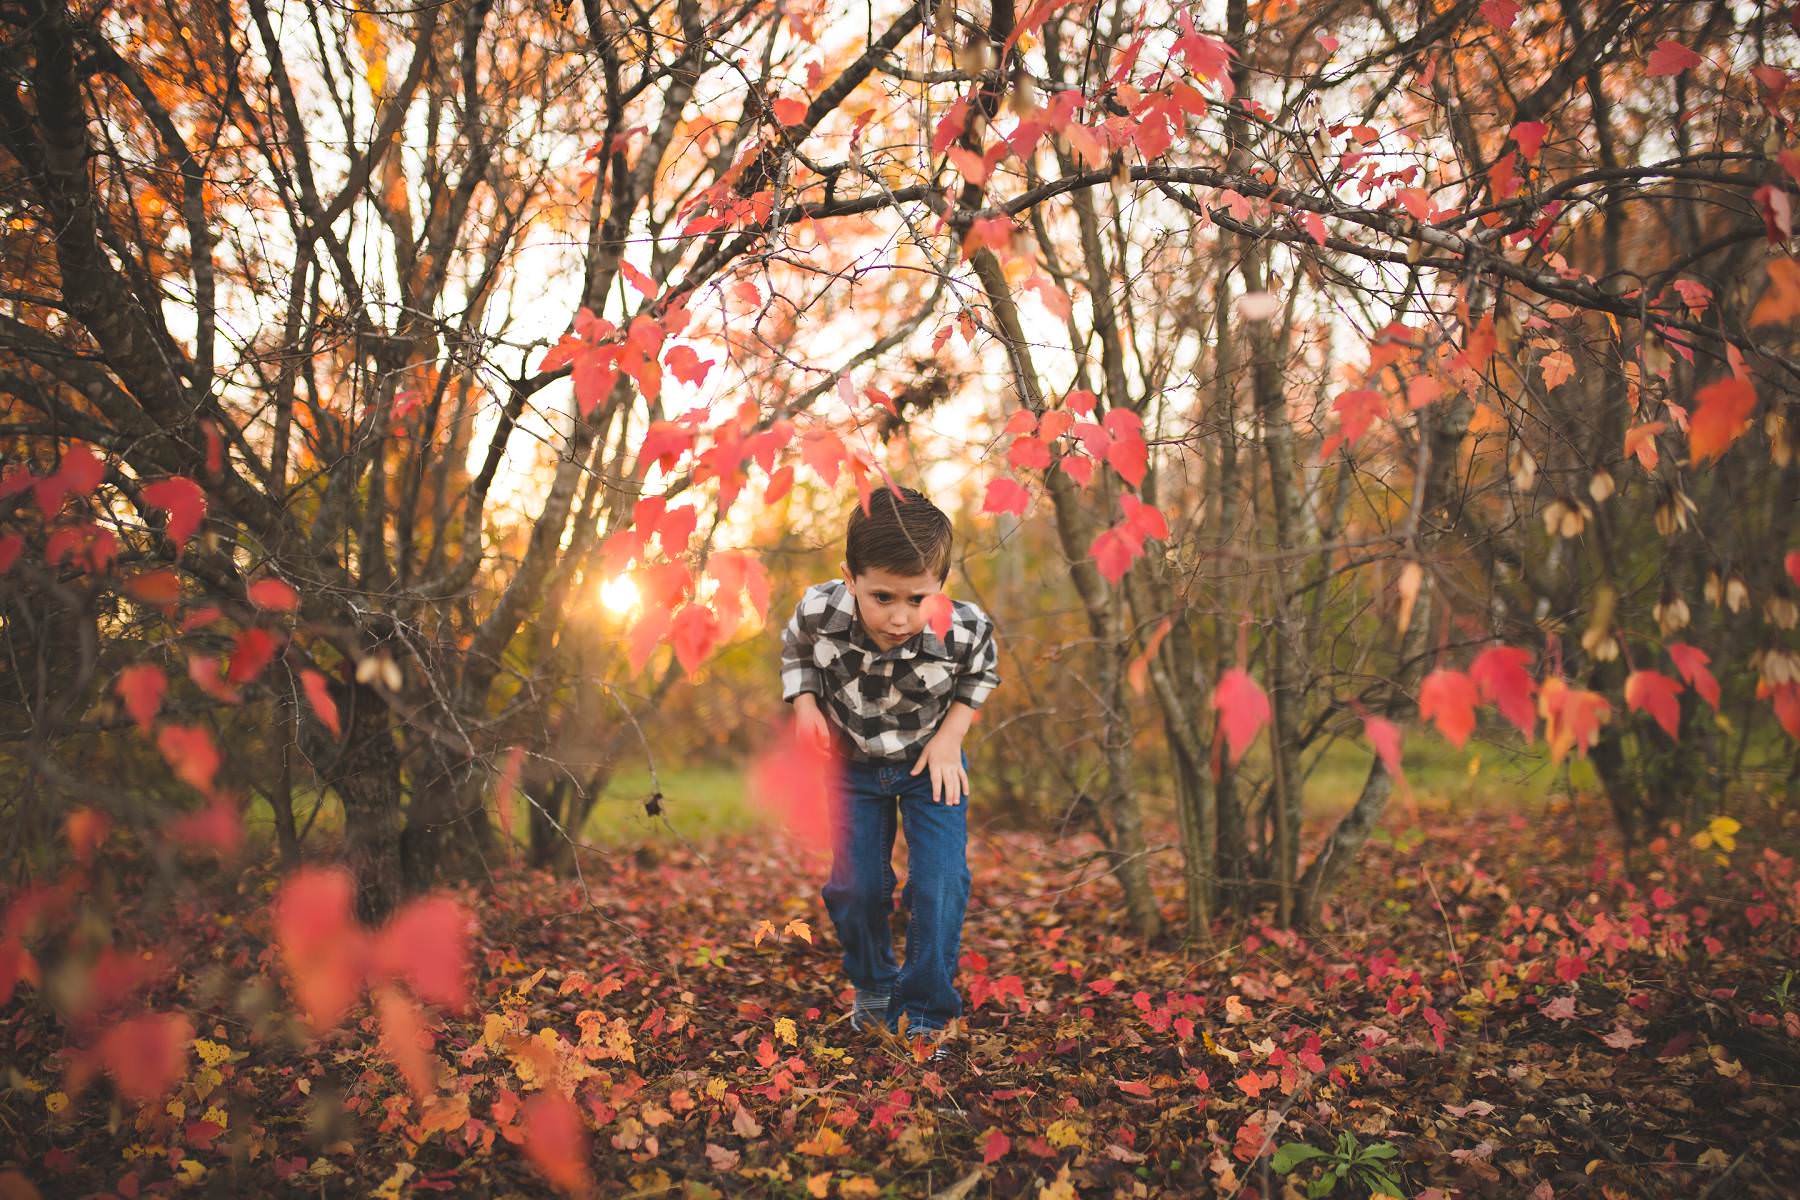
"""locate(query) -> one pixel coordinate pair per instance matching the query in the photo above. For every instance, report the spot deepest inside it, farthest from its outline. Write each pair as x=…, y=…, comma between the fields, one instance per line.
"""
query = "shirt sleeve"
x=798, y=671
x=976, y=673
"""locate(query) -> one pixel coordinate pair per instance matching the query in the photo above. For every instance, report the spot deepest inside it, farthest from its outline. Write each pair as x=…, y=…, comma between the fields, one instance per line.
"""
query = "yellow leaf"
x=827, y=1143
x=57, y=1102
x=1060, y=1188
x=211, y=1053
x=190, y=1172
x=1063, y=1135
x=800, y=929
x=785, y=1031
x=763, y=930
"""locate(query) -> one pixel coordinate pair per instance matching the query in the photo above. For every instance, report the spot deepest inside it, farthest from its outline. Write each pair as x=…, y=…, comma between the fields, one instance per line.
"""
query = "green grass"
x=1488, y=775
x=699, y=802
x=705, y=801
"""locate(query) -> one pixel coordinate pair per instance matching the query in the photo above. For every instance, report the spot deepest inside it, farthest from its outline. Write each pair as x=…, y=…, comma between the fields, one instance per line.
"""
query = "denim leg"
x=859, y=894
x=937, y=890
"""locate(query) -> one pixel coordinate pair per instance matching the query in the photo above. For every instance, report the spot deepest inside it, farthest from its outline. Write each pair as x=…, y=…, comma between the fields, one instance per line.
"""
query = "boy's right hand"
x=811, y=721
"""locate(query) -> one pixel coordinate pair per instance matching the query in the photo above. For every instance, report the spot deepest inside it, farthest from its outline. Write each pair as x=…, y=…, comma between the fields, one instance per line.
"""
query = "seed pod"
x=1524, y=470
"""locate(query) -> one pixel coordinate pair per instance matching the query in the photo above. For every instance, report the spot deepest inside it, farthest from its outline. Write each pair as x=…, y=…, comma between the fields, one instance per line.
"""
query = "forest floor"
x=1492, y=1009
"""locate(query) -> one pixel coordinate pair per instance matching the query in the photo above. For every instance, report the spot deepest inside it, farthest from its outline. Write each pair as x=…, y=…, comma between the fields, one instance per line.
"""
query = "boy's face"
x=891, y=606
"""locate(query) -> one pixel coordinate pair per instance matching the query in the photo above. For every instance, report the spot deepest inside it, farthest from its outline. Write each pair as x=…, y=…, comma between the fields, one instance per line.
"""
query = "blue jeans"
x=860, y=893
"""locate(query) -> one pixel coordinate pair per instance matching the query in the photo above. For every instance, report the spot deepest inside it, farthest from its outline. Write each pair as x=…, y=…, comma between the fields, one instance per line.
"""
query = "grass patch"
x=699, y=802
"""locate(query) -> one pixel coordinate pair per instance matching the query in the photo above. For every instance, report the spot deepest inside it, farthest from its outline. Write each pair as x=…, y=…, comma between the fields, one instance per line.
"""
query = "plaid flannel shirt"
x=885, y=703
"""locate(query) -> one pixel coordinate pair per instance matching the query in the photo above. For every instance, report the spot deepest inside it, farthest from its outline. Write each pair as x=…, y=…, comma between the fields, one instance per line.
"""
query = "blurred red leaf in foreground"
x=795, y=781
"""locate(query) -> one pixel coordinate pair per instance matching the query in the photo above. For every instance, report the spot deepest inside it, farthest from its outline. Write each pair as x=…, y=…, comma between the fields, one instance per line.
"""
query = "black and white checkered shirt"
x=885, y=703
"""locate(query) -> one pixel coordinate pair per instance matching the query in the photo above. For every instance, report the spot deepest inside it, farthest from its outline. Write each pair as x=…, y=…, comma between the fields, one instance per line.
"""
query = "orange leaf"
x=161, y=587
x=1780, y=303
x=1138, y=673
x=1448, y=698
x=1572, y=717
x=189, y=751
x=1641, y=441
x=406, y=1041
x=789, y=111
x=274, y=594
x=1722, y=415
x=556, y=1140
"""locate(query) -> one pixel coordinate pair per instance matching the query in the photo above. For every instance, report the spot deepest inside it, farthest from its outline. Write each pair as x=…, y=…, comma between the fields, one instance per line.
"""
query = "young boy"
x=862, y=668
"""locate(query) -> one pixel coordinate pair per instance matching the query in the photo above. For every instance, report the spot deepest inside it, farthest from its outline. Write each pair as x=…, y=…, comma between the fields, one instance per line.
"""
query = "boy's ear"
x=848, y=577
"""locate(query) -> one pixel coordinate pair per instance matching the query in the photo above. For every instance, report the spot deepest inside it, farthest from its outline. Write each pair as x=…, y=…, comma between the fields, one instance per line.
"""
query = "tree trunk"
x=1119, y=803
x=1440, y=442
x=365, y=774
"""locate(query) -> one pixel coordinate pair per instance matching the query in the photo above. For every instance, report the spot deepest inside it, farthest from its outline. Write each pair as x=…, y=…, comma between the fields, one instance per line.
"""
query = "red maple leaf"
x=1657, y=694
x=556, y=1141
x=318, y=694
x=189, y=751
x=694, y=632
x=146, y=1055
x=1448, y=698
x=1112, y=552
x=1243, y=709
x=1672, y=58
x=795, y=781
x=141, y=687
x=185, y=503
x=1006, y=494
x=1384, y=736
x=1499, y=673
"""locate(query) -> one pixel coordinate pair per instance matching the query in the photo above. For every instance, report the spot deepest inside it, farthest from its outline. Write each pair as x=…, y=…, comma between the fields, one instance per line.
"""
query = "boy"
x=861, y=667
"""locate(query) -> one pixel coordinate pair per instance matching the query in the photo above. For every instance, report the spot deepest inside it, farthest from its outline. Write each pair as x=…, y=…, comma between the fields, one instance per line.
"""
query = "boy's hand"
x=810, y=720
x=943, y=755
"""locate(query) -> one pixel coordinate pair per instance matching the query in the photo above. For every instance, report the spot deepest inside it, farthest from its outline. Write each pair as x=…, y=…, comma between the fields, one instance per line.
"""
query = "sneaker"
x=869, y=1011
x=937, y=1046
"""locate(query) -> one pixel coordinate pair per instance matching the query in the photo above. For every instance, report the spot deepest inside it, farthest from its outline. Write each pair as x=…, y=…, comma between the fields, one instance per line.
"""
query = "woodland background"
x=1372, y=425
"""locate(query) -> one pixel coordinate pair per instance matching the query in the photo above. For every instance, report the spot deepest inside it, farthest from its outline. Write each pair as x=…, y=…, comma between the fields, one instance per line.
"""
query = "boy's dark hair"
x=908, y=535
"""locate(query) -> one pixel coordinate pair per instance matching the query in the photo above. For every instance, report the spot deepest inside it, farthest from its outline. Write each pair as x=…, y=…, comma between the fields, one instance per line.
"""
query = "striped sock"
x=869, y=1008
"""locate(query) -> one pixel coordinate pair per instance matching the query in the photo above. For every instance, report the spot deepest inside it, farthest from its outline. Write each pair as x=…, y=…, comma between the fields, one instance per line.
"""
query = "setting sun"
x=619, y=595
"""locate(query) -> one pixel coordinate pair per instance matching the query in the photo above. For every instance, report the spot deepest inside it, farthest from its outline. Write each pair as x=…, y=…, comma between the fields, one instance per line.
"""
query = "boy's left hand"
x=949, y=782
